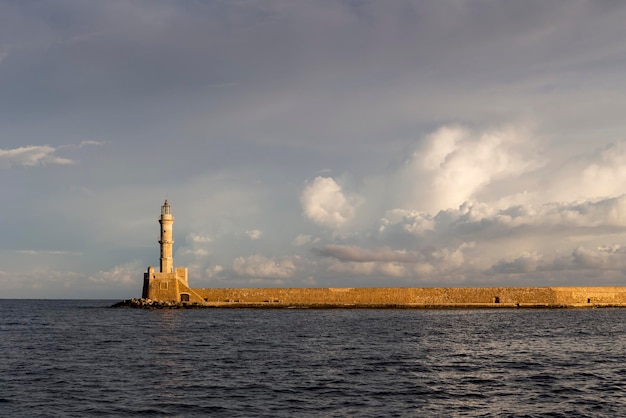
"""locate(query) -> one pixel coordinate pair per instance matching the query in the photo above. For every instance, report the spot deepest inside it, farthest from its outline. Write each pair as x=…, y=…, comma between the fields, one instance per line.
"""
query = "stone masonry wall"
x=426, y=296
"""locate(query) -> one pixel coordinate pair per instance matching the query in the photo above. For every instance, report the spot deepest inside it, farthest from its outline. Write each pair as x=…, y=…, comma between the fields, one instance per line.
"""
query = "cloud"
x=254, y=234
x=195, y=252
x=83, y=144
x=302, y=239
x=214, y=271
x=124, y=274
x=427, y=262
x=358, y=254
x=324, y=203
x=263, y=267
x=43, y=282
x=455, y=164
x=481, y=220
x=381, y=269
x=30, y=156
x=607, y=175
x=507, y=226
x=89, y=142
x=197, y=238
x=602, y=258
x=525, y=263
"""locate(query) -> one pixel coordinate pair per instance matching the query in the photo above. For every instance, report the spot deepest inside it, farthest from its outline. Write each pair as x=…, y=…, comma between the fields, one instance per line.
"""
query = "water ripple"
x=79, y=358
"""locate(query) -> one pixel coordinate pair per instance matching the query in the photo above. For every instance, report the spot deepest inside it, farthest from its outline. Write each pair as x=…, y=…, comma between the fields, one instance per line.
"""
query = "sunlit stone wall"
x=419, y=296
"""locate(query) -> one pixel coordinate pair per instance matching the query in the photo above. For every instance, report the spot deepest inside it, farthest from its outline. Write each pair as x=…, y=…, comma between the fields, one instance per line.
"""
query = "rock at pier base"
x=153, y=304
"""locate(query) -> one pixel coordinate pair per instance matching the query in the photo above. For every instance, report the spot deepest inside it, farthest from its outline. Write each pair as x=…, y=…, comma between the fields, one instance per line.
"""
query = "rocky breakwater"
x=155, y=304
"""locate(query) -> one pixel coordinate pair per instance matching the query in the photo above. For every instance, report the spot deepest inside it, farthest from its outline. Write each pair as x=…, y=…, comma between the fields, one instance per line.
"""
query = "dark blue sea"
x=82, y=358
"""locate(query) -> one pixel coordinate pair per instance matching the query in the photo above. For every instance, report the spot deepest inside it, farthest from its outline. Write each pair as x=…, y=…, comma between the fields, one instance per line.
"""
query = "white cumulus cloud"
x=456, y=164
x=607, y=175
x=324, y=202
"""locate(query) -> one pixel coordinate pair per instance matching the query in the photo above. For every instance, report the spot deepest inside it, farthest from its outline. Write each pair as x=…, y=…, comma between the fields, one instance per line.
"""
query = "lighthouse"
x=167, y=240
x=169, y=283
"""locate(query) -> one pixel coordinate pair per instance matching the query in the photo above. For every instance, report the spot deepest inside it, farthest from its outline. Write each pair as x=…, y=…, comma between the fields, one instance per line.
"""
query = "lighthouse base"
x=173, y=287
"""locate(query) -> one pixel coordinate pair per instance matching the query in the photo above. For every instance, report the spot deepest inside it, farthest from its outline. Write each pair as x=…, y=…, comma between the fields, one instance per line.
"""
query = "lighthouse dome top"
x=166, y=209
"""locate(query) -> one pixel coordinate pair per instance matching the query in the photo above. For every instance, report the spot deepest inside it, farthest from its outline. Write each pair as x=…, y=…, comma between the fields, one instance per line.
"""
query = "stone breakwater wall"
x=489, y=296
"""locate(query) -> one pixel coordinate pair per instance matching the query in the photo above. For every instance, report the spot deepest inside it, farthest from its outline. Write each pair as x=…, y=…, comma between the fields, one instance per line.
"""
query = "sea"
x=82, y=358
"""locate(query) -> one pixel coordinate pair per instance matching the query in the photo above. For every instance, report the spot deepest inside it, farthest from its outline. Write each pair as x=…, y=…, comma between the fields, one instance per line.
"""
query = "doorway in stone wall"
x=184, y=297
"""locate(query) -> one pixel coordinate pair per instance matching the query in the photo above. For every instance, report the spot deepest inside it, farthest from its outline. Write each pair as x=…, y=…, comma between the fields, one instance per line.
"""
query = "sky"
x=321, y=143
